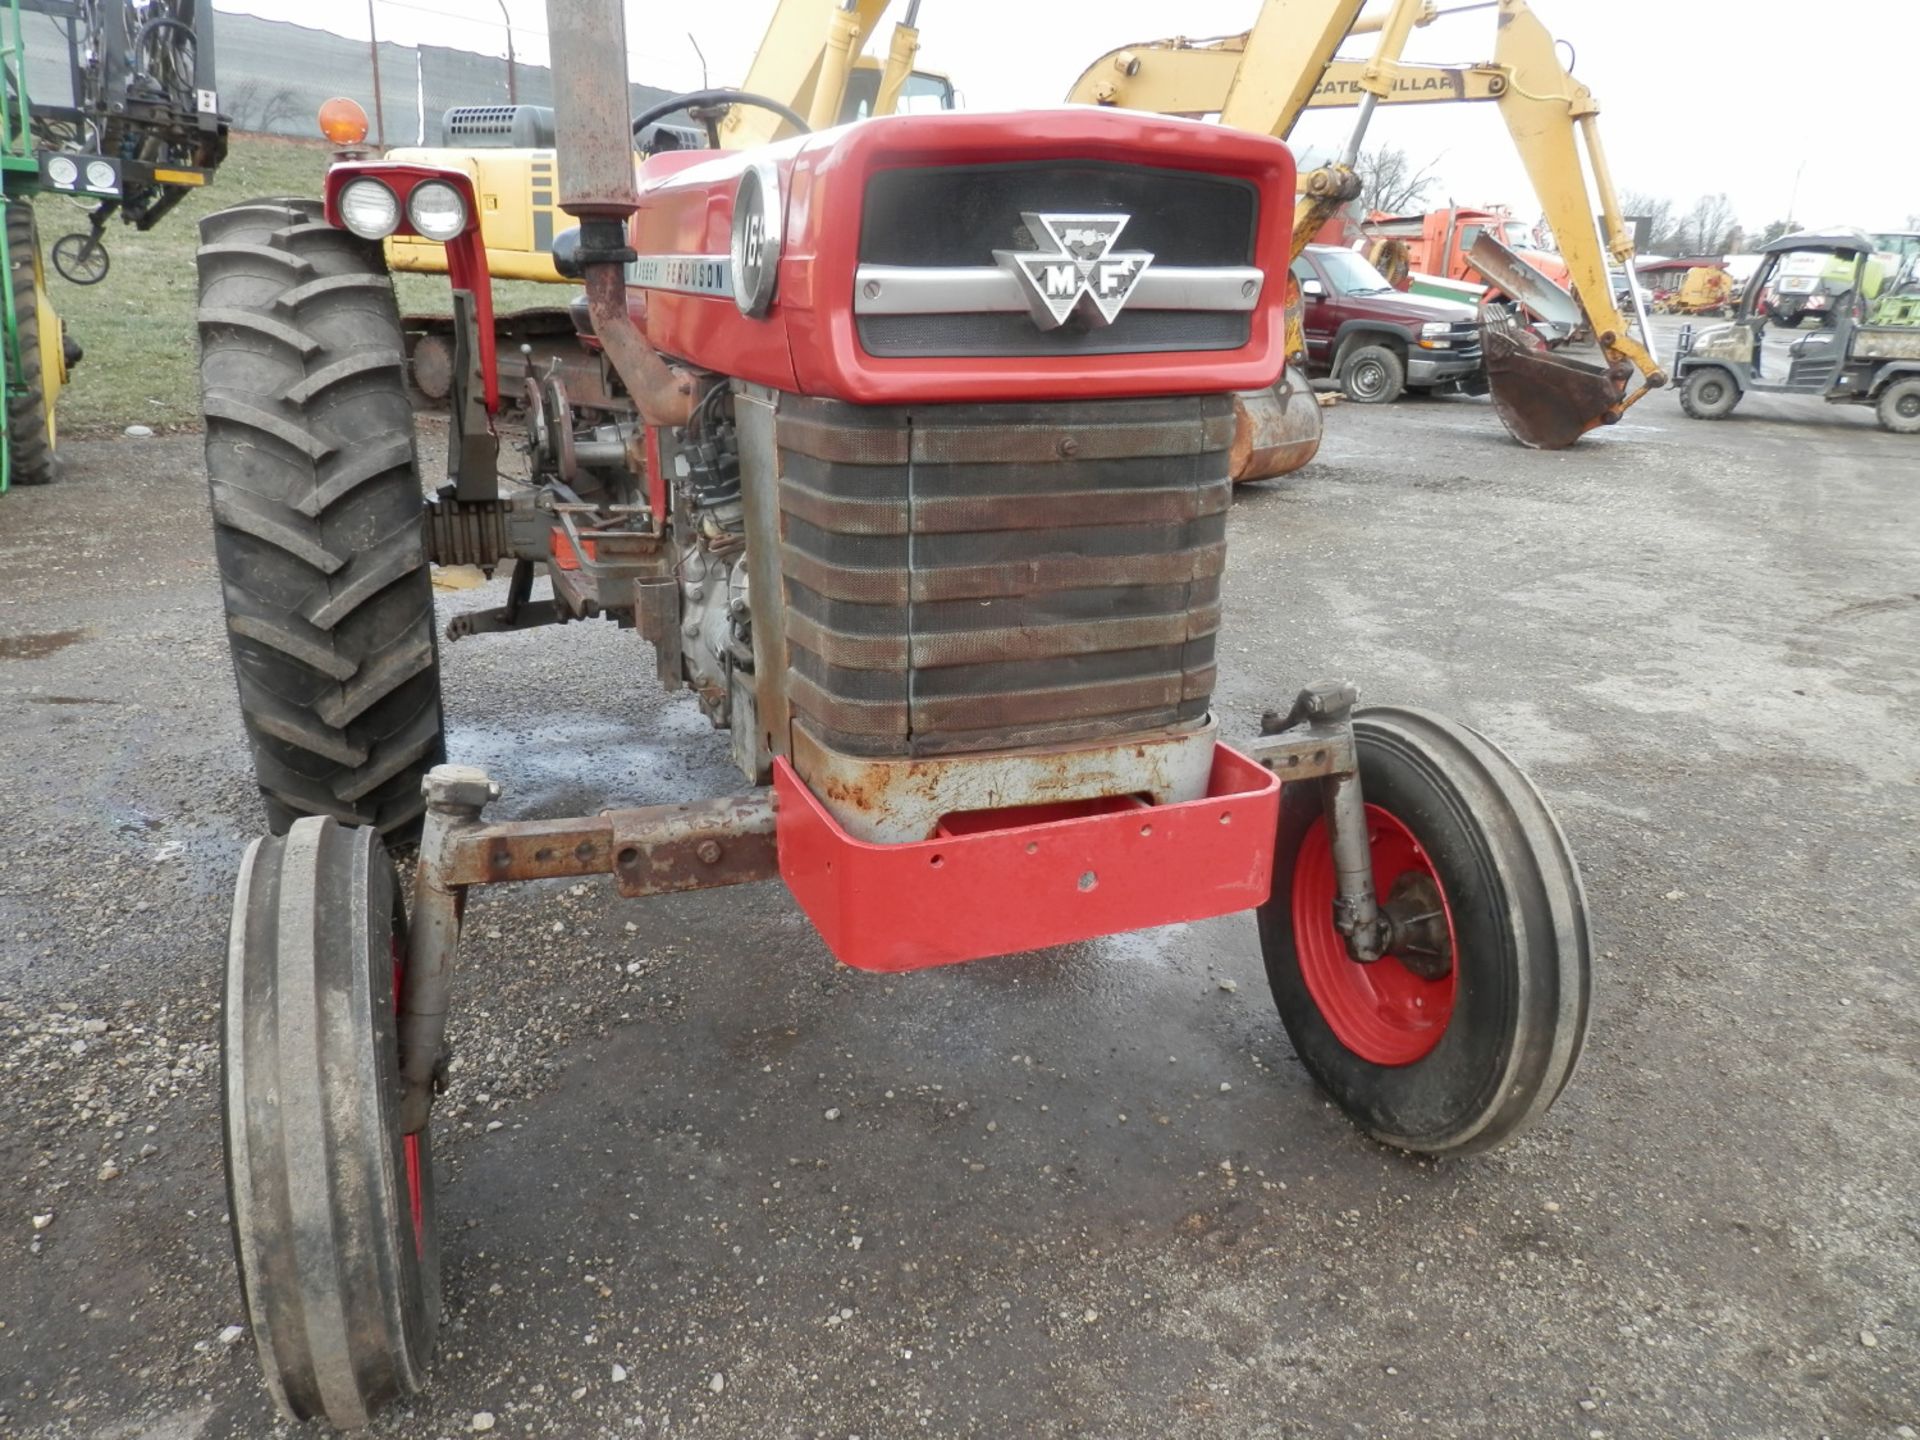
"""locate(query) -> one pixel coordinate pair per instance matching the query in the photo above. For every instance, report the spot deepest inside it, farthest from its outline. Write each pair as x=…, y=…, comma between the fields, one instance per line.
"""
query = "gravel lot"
x=1040, y=1209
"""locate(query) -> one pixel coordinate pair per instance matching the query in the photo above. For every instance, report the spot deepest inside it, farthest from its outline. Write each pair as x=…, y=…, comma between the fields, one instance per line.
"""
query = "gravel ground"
x=695, y=1177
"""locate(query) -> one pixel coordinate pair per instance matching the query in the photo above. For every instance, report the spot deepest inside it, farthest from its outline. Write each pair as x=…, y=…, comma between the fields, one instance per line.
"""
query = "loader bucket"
x=1276, y=430
x=1546, y=399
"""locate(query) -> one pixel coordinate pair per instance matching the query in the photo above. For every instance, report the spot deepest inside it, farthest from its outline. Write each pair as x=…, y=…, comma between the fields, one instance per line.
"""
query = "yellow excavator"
x=1545, y=391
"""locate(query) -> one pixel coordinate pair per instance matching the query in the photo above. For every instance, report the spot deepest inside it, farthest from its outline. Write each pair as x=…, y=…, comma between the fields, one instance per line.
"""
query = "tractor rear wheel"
x=1709, y=394
x=1473, y=1034
x=1899, y=406
x=29, y=419
x=318, y=516
x=332, y=1208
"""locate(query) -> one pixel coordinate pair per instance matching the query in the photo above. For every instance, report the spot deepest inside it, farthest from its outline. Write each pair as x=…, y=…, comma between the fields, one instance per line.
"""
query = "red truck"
x=1378, y=341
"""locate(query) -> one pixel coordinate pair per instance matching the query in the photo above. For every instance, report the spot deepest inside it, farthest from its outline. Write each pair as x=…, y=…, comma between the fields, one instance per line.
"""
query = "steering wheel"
x=697, y=100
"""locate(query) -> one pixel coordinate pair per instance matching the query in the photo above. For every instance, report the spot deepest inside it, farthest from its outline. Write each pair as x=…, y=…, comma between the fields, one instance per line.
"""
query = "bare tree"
x=1651, y=219
x=1392, y=182
x=1776, y=228
x=1706, y=227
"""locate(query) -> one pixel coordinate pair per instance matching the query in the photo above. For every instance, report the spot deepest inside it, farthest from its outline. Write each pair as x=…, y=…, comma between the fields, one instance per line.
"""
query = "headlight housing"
x=757, y=216
x=1435, y=330
x=436, y=210
x=369, y=209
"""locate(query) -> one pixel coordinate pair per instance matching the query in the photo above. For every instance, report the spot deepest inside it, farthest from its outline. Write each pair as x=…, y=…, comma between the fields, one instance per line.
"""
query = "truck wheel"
x=332, y=1209
x=1709, y=394
x=318, y=516
x=29, y=421
x=1899, y=406
x=1373, y=375
x=1424, y=1058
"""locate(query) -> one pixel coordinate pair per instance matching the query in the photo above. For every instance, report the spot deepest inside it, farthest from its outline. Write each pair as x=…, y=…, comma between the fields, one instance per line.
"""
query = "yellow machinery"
x=1705, y=290
x=1288, y=62
x=810, y=59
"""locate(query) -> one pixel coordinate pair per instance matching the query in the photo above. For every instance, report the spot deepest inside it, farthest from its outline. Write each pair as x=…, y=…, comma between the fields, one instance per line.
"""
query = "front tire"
x=1467, y=1059
x=1373, y=375
x=318, y=517
x=1898, y=407
x=332, y=1209
x=1709, y=394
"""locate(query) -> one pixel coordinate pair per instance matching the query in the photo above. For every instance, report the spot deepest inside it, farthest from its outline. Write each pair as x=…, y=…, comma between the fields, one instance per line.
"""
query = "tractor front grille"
x=973, y=577
x=941, y=224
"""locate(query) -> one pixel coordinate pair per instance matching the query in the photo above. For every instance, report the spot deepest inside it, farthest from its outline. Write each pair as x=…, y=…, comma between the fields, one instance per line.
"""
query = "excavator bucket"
x=1546, y=398
x=1276, y=430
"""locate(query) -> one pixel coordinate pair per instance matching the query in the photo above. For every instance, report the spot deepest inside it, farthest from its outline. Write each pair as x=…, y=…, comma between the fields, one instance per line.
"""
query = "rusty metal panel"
x=1887, y=342
x=892, y=801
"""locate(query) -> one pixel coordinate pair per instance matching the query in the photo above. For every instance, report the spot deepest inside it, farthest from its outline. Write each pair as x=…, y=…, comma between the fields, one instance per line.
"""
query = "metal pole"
x=513, y=91
x=373, y=49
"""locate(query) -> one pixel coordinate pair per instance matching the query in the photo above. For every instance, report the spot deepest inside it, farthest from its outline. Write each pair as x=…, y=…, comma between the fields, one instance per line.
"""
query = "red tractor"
x=909, y=452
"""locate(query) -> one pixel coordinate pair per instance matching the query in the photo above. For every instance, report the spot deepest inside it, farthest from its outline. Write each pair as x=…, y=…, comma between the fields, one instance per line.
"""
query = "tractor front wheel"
x=332, y=1208
x=318, y=516
x=29, y=417
x=1467, y=1031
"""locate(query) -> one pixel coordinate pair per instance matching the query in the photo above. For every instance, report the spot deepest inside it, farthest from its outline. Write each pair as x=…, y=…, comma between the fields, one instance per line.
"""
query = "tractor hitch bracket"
x=649, y=850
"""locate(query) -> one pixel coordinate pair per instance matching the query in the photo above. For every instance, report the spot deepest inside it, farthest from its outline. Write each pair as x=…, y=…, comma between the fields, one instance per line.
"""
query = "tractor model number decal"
x=1080, y=272
x=688, y=274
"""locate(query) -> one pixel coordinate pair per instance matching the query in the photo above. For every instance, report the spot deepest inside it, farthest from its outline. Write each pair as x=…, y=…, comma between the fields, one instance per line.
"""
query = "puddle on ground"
x=38, y=647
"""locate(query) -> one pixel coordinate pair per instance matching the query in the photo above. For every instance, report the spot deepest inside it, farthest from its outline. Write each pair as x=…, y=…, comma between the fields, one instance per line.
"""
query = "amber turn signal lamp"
x=343, y=121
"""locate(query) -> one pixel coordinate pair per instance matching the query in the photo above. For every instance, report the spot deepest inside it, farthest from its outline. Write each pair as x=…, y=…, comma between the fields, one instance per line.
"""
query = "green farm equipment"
x=139, y=129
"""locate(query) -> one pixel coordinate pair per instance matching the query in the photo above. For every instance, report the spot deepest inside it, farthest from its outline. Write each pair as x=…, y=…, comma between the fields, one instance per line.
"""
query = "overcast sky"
x=1749, y=97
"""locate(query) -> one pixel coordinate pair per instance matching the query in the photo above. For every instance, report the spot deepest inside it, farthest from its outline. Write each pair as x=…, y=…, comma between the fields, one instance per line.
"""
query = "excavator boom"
x=1264, y=80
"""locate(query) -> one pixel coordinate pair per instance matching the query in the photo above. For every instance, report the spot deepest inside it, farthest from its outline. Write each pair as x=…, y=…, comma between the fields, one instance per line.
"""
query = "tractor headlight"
x=369, y=209
x=757, y=214
x=437, y=211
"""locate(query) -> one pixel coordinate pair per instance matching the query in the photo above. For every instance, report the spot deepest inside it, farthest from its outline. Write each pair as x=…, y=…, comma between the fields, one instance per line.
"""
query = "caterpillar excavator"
x=1552, y=381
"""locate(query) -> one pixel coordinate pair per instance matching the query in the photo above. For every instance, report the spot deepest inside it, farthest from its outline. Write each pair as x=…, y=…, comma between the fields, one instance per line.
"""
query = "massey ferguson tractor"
x=910, y=458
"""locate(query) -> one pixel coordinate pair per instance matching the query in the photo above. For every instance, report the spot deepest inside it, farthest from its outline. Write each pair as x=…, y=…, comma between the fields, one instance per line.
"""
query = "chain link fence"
x=273, y=76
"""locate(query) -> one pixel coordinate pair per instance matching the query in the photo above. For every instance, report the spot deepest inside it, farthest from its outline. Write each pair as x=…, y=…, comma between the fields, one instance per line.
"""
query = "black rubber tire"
x=318, y=517
x=1524, y=967
x=1373, y=375
x=29, y=425
x=1709, y=393
x=1899, y=406
x=343, y=1298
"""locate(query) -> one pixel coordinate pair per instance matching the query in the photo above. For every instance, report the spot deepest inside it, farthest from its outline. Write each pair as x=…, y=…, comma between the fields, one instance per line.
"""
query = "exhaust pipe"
x=588, y=44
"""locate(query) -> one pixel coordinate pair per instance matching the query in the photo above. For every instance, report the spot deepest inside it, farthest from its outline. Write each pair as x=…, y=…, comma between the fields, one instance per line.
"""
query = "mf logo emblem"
x=1081, y=271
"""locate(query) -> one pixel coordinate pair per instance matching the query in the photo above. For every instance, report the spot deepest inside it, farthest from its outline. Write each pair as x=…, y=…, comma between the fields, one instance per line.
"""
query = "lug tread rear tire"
x=1525, y=967
x=29, y=426
x=343, y=1305
x=1709, y=393
x=318, y=516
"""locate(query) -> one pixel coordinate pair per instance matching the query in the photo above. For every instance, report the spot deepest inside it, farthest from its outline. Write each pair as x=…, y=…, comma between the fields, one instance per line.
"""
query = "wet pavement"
x=1086, y=1192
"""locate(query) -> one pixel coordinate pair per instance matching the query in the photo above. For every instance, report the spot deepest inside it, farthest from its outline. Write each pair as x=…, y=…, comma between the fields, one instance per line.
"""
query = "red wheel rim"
x=1382, y=1012
x=410, y=1144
